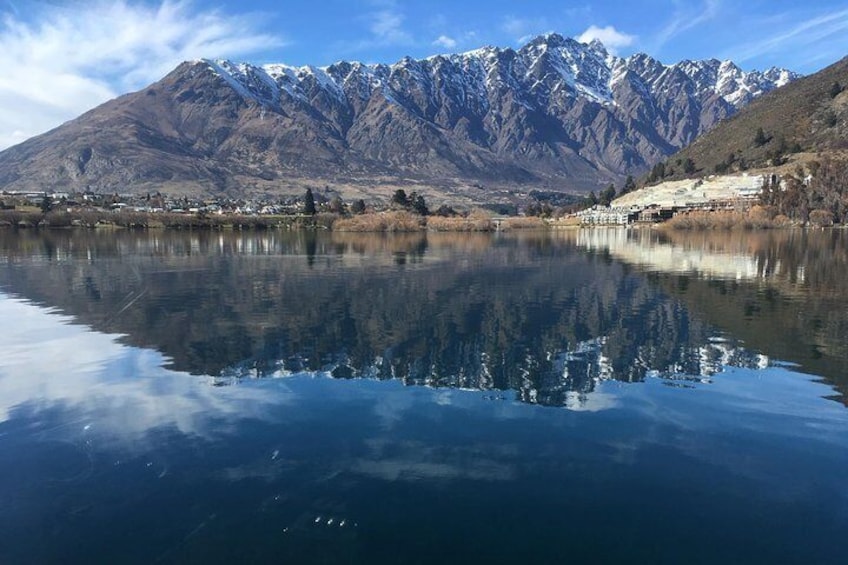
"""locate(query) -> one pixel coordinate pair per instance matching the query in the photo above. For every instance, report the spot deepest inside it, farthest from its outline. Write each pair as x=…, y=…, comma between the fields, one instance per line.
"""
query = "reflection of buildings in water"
x=640, y=247
x=568, y=378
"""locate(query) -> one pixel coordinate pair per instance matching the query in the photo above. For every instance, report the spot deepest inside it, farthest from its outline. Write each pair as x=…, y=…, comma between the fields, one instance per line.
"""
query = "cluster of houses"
x=150, y=203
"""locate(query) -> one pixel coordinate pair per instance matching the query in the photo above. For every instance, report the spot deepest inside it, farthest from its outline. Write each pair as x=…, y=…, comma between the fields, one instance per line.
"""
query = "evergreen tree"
x=400, y=198
x=770, y=192
x=607, y=195
x=657, y=172
x=629, y=185
x=358, y=206
x=419, y=206
x=830, y=119
x=46, y=204
x=760, y=138
x=688, y=166
x=309, y=203
x=835, y=89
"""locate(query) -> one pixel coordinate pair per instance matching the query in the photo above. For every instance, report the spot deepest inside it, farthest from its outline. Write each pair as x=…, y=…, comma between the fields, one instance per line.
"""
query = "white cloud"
x=448, y=35
x=72, y=59
x=445, y=41
x=612, y=39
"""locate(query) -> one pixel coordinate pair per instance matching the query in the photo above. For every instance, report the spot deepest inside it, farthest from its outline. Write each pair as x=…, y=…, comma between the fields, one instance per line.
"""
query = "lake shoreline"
x=389, y=221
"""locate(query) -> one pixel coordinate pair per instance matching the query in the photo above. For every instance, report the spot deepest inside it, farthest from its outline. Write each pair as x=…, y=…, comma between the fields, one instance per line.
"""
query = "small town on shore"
x=728, y=201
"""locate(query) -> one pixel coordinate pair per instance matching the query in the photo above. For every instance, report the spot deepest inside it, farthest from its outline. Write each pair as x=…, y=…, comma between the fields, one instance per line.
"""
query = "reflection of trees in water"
x=791, y=305
x=530, y=314
x=816, y=258
x=798, y=309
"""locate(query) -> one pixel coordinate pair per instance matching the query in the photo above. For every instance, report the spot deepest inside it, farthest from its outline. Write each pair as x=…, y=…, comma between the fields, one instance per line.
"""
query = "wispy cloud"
x=66, y=61
x=384, y=28
x=685, y=18
x=9, y=5
x=387, y=27
x=612, y=39
x=524, y=29
x=802, y=34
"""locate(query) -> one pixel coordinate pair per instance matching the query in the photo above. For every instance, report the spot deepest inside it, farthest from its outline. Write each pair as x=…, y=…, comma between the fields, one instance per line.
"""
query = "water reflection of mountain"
x=528, y=313
x=783, y=292
x=560, y=378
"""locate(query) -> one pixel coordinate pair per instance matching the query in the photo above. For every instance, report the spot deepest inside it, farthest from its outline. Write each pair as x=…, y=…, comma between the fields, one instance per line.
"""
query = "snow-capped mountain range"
x=555, y=114
x=549, y=64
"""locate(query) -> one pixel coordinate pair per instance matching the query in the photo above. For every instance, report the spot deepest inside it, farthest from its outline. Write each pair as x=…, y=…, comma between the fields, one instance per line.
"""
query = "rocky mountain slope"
x=555, y=114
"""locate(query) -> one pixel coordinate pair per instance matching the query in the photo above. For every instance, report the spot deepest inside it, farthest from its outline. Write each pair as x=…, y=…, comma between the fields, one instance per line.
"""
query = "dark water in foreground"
x=602, y=396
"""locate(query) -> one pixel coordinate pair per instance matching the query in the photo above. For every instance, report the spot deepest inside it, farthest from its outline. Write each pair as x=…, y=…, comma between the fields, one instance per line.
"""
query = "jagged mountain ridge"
x=555, y=113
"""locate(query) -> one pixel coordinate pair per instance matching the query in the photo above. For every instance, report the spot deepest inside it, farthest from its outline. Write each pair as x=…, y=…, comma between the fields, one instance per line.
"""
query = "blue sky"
x=62, y=57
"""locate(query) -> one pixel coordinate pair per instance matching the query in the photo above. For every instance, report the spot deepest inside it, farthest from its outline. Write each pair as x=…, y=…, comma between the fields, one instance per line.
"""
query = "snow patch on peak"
x=285, y=77
x=322, y=79
x=781, y=77
x=487, y=53
x=728, y=66
x=233, y=74
x=738, y=87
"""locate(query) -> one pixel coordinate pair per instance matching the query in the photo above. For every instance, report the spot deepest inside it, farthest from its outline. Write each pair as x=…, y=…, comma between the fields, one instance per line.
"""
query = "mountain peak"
x=550, y=39
x=555, y=114
x=598, y=47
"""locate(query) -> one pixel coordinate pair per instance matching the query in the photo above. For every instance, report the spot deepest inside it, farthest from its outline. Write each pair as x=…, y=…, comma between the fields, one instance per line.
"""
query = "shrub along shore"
x=755, y=218
x=387, y=221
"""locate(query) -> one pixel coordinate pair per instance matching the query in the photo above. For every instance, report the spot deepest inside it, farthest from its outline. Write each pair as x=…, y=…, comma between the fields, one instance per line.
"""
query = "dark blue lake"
x=583, y=396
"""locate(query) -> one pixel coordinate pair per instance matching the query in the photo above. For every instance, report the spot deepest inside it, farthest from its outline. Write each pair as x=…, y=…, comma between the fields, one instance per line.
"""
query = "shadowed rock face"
x=556, y=114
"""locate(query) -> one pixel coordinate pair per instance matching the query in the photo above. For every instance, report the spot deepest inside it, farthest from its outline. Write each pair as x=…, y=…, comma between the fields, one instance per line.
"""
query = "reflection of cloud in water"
x=414, y=461
x=392, y=461
x=47, y=362
x=706, y=424
x=265, y=469
x=444, y=398
x=392, y=407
